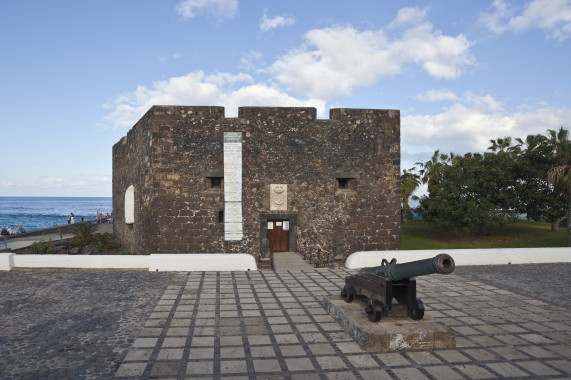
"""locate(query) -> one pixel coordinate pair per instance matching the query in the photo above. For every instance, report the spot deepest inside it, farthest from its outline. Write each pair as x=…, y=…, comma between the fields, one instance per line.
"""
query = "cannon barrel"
x=442, y=264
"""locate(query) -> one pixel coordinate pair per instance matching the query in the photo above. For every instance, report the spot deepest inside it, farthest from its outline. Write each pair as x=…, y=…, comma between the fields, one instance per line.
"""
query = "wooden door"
x=278, y=235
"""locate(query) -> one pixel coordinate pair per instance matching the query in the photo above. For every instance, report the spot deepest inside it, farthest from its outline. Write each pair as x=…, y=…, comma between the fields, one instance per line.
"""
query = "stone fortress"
x=186, y=179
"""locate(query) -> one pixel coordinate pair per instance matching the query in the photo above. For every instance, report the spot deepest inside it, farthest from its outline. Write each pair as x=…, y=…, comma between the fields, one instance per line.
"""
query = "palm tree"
x=504, y=145
x=560, y=176
x=409, y=182
x=431, y=170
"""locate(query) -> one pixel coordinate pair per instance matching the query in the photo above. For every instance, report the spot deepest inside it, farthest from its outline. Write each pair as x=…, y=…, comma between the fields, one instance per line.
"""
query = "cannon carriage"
x=380, y=285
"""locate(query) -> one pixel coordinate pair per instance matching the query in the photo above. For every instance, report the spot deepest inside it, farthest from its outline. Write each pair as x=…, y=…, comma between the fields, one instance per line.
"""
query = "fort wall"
x=341, y=175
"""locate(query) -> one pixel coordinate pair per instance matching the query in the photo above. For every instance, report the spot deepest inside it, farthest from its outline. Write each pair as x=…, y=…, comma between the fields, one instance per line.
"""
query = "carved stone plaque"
x=278, y=197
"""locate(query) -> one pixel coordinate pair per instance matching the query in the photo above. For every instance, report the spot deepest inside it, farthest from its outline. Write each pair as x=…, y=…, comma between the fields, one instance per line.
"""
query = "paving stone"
x=536, y=352
x=475, y=371
x=258, y=340
x=563, y=365
x=330, y=362
x=481, y=354
x=509, y=353
x=506, y=369
x=204, y=341
x=131, y=369
x=374, y=374
x=201, y=353
x=267, y=365
x=234, y=352
x=170, y=354
x=538, y=368
x=286, y=338
x=166, y=368
x=408, y=373
x=343, y=375
x=362, y=361
x=321, y=349
x=443, y=372
x=299, y=364
x=536, y=338
x=174, y=342
x=139, y=354
x=262, y=351
x=393, y=359
x=233, y=366
x=292, y=350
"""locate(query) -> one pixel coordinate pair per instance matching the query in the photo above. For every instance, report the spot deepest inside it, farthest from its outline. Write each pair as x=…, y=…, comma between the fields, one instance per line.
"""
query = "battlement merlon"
x=159, y=115
x=346, y=114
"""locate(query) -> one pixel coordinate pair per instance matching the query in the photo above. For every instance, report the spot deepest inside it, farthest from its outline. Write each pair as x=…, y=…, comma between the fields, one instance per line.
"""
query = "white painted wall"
x=218, y=262
x=244, y=262
x=493, y=256
x=82, y=261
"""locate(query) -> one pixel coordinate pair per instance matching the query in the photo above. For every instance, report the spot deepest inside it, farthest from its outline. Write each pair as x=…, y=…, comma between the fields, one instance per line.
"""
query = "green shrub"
x=83, y=234
x=123, y=252
x=105, y=242
x=42, y=247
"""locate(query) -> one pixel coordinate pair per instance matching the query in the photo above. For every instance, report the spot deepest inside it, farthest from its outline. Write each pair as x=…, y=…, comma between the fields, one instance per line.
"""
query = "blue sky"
x=76, y=75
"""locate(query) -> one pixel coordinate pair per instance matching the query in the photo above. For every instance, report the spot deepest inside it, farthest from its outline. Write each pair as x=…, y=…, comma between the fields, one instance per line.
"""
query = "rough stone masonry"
x=187, y=179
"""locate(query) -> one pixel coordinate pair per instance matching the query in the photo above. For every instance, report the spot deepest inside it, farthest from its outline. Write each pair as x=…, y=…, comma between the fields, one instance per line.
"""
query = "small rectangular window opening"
x=221, y=216
x=216, y=182
x=343, y=183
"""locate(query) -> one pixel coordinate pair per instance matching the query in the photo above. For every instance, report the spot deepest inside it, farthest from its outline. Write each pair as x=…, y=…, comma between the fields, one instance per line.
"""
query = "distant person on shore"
x=81, y=219
x=99, y=216
x=72, y=218
x=19, y=229
x=9, y=230
x=4, y=232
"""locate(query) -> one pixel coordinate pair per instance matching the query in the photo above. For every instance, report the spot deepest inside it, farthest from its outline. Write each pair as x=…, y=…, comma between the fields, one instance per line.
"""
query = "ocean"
x=43, y=212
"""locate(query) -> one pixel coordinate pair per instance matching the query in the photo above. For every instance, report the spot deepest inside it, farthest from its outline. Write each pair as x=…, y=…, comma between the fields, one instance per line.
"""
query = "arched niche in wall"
x=130, y=205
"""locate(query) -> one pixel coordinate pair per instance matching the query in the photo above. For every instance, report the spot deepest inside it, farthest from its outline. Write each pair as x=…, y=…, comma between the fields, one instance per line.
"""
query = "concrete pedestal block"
x=390, y=333
x=265, y=264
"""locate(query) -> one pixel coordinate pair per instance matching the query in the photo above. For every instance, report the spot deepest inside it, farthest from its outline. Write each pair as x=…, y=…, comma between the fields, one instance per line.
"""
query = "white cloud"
x=551, y=16
x=217, y=8
x=408, y=16
x=337, y=59
x=275, y=22
x=196, y=88
x=436, y=96
x=469, y=125
x=262, y=95
x=247, y=62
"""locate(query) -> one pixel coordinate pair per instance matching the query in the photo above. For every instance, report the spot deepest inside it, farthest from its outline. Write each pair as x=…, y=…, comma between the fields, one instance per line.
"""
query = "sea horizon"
x=37, y=212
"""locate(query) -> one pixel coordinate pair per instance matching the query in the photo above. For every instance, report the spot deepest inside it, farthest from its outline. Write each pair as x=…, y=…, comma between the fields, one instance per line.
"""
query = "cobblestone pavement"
x=546, y=282
x=271, y=325
x=72, y=323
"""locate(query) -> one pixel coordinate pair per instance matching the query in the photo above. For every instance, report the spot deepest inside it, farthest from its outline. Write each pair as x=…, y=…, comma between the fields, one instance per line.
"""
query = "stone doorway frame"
x=293, y=223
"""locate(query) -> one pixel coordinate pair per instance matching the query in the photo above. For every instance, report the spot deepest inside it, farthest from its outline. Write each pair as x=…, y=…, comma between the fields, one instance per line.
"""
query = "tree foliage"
x=476, y=192
x=409, y=182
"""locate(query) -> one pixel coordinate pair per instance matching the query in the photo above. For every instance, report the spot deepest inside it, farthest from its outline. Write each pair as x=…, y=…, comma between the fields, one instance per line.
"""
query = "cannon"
x=391, y=280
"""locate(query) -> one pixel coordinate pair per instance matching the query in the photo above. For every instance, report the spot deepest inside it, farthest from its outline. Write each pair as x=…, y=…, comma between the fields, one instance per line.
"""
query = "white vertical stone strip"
x=130, y=205
x=233, y=186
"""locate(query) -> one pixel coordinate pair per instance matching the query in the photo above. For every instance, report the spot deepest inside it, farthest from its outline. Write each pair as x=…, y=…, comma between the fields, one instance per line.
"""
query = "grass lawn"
x=524, y=234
